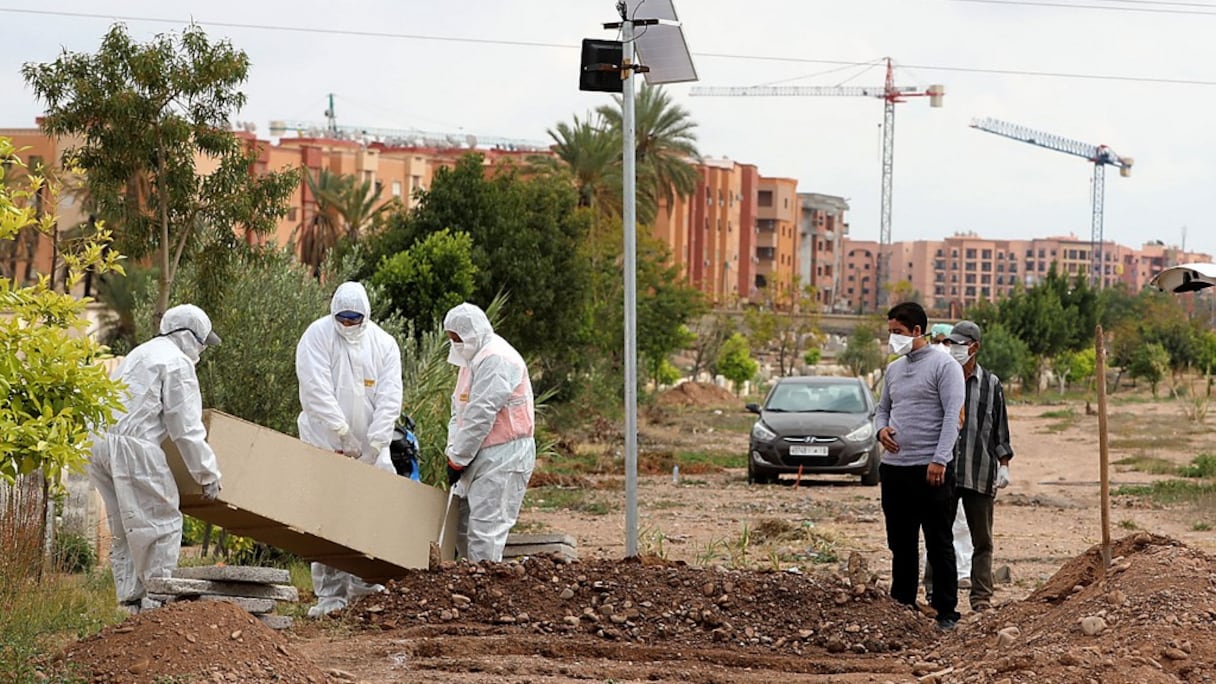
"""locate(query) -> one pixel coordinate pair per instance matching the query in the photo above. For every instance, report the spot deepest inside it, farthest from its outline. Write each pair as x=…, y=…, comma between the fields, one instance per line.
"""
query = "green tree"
x=784, y=332
x=735, y=361
x=1150, y=362
x=711, y=332
x=665, y=306
x=425, y=281
x=591, y=151
x=526, y=234
x=666, y=148
x=346, y=210
x=145, y=116
x=53, y=391
x=861, y=353
x=1006, y=355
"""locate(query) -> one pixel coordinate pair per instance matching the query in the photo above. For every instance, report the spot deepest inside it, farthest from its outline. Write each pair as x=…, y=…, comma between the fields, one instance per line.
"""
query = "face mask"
x=961, y=353
x=900, y=344
x=461, y=353
x=351, y=333
x=939, y=348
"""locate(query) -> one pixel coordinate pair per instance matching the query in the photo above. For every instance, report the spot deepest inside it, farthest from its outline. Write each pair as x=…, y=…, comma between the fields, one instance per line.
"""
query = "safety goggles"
x=349, y=317
x=211, y=340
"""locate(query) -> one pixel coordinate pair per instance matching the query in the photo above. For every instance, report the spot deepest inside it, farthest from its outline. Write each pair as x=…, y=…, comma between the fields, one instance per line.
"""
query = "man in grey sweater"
x=918, y=420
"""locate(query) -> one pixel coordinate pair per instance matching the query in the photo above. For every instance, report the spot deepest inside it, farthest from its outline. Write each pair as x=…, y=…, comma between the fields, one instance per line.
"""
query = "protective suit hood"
x=189, y=328
x=471, y=324
x=351, y=296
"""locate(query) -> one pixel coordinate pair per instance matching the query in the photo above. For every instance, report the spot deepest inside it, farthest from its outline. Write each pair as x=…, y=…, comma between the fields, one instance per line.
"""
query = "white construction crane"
x=1099, y=155
x=891, y=95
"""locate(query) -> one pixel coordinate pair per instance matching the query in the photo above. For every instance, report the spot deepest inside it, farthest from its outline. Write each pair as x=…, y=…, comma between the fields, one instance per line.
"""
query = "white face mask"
x=351, y=333
x=940, y=348
x=461, y=353
x=900, y=344
x=961, y=353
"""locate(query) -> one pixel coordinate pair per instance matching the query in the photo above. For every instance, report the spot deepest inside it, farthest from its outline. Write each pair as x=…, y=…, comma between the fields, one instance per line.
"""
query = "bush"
x=735, y=362
x=73, y=553
x=425, y=281
x=811, y=356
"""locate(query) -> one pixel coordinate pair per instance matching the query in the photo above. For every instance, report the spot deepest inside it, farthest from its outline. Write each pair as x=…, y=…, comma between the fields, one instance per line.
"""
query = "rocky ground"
x=739, y=583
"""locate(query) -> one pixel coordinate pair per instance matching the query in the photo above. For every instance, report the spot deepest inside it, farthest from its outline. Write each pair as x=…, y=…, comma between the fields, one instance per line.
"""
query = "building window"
x=292, y=214
x=765, y=198
x=396, y=188
x=986, y=254
x=970, y=253
x=415, y=182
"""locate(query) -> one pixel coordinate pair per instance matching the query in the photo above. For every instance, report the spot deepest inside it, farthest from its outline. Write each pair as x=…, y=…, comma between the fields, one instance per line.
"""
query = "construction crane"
x=891, y=95
x=1100, y=156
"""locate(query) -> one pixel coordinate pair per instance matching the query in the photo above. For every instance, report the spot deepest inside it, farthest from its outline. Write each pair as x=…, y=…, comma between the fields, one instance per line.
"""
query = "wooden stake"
x=1103, y=451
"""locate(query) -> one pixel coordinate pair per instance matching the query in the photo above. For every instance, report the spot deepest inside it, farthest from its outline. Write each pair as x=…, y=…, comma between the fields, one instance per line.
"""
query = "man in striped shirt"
x=981, y=456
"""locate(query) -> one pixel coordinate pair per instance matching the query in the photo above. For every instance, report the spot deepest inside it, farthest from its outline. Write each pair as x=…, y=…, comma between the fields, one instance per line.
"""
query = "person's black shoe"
x=946, y=624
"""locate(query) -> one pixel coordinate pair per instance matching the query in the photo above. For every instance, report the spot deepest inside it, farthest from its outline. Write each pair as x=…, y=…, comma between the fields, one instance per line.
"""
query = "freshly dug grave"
x=1150, y=618
x=654, y=602
x=197, y=641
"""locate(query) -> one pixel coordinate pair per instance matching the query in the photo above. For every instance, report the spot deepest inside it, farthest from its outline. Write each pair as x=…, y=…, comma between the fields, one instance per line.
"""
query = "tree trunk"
x=165, y=279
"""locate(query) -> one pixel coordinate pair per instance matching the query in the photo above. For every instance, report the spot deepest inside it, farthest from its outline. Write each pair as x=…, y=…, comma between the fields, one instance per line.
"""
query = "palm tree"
x=591, y=152
x=666, y=146
x=346, y=208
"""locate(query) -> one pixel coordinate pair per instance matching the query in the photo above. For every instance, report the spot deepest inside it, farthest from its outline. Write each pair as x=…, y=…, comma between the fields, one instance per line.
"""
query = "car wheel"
x=871, y=477
x=754, y=477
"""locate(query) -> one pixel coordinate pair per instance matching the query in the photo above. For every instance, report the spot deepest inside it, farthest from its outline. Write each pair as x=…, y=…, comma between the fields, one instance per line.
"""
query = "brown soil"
x=697, y=394
x=199, y=641
x=1157, y=602
x=653, y=602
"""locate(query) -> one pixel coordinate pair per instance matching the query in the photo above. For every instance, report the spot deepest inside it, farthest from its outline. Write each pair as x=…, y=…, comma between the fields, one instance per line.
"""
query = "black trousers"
x=910, y=505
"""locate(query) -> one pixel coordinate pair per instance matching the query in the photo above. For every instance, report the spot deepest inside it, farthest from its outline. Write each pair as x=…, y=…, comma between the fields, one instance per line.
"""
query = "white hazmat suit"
x=127, y=464
x=350, y=396
x=490, y=435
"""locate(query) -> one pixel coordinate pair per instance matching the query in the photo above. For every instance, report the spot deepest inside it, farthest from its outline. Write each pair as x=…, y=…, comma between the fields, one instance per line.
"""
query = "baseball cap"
x=964, y=332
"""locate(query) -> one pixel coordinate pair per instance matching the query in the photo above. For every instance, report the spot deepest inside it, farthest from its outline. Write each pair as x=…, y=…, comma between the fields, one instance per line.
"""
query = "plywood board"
x=314, y=503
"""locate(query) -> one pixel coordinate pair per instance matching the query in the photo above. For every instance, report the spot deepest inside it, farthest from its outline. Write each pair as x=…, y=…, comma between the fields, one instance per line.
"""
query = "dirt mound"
x=201, y=641
x=697, y=394
x=1148, y=619
x=654, y=602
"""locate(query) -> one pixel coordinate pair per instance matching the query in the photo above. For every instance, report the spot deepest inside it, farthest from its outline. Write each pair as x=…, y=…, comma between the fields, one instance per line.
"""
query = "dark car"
x=818, y=424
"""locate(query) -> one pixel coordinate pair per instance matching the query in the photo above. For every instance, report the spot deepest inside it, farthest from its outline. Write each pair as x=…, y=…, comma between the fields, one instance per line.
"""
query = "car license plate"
x=801, y=450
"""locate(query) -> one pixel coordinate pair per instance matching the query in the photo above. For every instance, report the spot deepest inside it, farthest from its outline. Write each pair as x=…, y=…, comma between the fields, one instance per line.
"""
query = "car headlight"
x=862, y=433
x=761, y=432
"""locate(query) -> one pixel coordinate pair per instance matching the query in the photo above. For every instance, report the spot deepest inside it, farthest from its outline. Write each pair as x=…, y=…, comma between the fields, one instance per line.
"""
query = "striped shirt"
x=984, y=440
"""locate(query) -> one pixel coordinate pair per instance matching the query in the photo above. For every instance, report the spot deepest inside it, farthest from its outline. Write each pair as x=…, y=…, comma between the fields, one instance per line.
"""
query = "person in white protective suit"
x=490, y=448
x=128, y=466
x=350, y=397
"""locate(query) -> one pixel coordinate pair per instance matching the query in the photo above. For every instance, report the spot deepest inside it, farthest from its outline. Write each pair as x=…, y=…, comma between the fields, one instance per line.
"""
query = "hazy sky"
x=948, y=177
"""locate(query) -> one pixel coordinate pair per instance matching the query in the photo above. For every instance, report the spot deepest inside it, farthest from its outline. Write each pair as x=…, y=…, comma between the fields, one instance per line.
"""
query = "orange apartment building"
x=777, y=214
x=952, y=274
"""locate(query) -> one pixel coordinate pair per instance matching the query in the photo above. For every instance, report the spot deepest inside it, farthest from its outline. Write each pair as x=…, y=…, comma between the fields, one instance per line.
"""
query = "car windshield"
x=803, y=398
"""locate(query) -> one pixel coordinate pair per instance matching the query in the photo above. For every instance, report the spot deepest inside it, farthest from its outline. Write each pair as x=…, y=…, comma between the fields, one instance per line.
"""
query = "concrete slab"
x=314, y=503
x=255, y=606
x=235, y=573
x=277, y=621
x=190, y=587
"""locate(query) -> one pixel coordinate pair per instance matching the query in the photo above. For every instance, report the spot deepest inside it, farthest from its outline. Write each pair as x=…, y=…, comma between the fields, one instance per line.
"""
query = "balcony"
x=766, y=225
x=766, y=253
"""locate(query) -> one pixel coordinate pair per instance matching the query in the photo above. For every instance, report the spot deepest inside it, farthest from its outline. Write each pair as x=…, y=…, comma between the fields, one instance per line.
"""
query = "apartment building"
x=821, y=232
x=712, y=233
x=957, y=272
x=776, y=234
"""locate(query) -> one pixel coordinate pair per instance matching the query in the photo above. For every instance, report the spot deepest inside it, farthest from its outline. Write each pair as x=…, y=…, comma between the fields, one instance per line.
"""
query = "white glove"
x=349, y=444
x=1002, y=477
x=211, y=490
x=372, y=452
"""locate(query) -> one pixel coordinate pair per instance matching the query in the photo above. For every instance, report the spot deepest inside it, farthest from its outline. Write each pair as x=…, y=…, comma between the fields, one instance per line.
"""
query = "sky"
x=442, y=71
